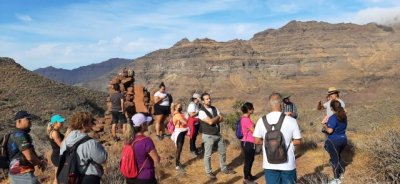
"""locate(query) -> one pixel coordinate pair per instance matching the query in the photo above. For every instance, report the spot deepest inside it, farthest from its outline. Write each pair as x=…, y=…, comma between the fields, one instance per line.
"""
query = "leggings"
x=249, y=152
x=193, y=139
x=179, y=144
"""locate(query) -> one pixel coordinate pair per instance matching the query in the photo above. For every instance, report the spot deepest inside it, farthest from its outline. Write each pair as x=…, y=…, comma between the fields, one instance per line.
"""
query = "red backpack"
x=128, y=165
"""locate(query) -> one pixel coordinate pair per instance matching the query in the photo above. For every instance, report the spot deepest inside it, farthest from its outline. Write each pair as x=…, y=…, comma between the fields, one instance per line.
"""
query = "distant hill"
x=23, y=89
x=82, y=74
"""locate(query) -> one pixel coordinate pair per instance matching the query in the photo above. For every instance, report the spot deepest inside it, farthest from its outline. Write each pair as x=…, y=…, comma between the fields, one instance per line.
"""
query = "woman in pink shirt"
x=247, y=144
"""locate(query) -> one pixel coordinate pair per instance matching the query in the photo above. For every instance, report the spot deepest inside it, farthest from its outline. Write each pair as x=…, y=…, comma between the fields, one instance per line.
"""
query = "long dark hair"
x=340, y=113
x=246, y=107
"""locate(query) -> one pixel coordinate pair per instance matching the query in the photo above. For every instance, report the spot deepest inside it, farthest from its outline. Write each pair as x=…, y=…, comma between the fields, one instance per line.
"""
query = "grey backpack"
x=274, y=142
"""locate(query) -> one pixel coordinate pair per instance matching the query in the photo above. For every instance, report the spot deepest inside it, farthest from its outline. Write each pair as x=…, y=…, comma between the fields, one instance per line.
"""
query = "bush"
x=385, y=151
x=231, y=119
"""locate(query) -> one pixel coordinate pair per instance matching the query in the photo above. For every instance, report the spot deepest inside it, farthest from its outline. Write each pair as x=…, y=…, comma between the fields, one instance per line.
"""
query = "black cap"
x=21, y=115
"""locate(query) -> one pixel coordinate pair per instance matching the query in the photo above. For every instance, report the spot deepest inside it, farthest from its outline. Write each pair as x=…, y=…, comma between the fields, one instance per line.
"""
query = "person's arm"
x=122, y=105
x=296, y=134
x=212, y=121
x=320, y=106
x=258, y=133
x=294, y=115
x=158, y=99
x=98, y=153
x=154, y=155
x=31, y=157
x=182, y=120
x=327, y=129
x=296, y=142
x=55, y=135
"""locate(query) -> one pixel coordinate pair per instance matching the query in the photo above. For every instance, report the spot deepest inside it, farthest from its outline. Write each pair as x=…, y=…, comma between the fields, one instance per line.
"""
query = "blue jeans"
x=27, y=178
x=209, y=141
x=280, y=177
x=334, y=148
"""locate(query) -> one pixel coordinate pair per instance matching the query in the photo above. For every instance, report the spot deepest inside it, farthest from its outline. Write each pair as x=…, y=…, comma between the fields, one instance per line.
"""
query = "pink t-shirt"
x=247, y=134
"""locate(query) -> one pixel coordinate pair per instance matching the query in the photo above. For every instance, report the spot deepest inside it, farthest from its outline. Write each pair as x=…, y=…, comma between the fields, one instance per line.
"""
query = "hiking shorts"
x=162, y=110
x=118, y=117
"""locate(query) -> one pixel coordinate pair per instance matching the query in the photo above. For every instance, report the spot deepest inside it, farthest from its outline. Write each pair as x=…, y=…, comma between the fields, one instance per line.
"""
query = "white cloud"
x=386, y=16
x=24, y=18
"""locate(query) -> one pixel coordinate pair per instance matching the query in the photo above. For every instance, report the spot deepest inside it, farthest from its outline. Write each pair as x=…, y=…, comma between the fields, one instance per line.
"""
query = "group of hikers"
x=278, y=132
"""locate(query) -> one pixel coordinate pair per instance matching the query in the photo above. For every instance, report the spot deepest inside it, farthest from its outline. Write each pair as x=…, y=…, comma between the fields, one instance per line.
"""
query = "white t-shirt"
x=192, y=107
x=165, y=101
x=327, y=106
x=203, y=115
x=290, y=130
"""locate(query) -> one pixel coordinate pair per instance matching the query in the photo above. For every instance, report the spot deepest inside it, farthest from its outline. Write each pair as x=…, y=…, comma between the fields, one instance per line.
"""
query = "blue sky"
x=69, y=34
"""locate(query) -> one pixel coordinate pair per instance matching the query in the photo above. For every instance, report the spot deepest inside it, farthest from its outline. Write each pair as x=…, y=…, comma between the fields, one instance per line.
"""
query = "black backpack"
x=4, y=159
x=274, y=142
x=67, y=171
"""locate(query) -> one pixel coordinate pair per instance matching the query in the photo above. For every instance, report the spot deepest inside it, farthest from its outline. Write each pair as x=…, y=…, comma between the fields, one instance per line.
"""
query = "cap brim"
x=148, y=119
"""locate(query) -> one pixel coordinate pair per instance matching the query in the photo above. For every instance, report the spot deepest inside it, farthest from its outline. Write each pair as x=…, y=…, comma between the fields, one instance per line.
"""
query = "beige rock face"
x=303, y=58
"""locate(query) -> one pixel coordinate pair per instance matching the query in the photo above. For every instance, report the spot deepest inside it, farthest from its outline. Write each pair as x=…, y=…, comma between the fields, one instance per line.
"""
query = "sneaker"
x=249, y=181
x=194, y=154
x=115, y=139
x=211, y=176
x=341, y=177
x=335, y=181
x=159, y=137
x=229, y=171
x=180, y=168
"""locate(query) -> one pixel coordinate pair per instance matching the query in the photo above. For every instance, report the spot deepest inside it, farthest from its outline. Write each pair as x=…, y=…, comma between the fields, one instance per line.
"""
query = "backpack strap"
x=280, y=122
x=276, y=126
x=268, y=127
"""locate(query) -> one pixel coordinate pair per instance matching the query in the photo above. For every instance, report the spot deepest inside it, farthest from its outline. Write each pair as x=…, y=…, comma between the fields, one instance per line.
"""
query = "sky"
x=70, y=33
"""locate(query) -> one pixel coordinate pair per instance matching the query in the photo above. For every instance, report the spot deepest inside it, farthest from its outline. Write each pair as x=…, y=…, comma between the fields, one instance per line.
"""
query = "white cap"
x=139, y=118
x=196, y=95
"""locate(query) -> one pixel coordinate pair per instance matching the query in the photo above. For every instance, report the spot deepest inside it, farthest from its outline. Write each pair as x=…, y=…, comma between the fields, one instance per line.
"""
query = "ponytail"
x=339, y=110
x=129, y=134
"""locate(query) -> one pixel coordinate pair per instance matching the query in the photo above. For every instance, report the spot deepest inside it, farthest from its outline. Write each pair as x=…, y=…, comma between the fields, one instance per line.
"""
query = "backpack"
x=128, y=165
x=4, y=159
x=68, y=167
x=239, y=133
x=274, y=142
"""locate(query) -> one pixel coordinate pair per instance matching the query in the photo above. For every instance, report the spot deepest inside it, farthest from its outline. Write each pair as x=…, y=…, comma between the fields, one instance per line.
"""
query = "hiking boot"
x=115, y=139
x=211, y=176
x=229, y=171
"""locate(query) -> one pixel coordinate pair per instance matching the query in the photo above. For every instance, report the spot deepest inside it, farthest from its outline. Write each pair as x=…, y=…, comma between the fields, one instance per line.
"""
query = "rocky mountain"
x=302, y=58
x=82, y=74
x=21, y=89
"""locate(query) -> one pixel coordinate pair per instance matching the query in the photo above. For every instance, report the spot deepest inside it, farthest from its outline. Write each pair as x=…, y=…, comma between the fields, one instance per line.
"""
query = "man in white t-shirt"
x=284, y=172
x=210, y=117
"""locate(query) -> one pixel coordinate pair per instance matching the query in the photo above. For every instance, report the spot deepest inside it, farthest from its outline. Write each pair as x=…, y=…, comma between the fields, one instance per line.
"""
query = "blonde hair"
x=174, y=105
x=79, y=119
x=128, y=134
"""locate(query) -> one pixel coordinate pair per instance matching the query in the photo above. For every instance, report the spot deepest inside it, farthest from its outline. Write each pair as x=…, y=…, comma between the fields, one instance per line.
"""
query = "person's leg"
x=114, y=121
x=222, y=154
x=339, y=147
x=157, y=121
x=27, y=178
x=179, y=144
x=55, y=176
x=163, y=124
x=249, y=153
x=330, y=148
x=194, y=138
x=289, y=177
x=208, y=144
x=272, y=176
x=92, y=179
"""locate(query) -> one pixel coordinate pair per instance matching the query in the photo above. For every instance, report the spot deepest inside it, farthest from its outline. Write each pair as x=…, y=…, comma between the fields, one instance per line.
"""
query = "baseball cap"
x=57, y=118
x=196, y=95
x=21, y=115
x=139, y=118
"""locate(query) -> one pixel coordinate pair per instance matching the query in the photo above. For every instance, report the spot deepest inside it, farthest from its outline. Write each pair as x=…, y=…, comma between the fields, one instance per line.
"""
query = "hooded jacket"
x=90, y=149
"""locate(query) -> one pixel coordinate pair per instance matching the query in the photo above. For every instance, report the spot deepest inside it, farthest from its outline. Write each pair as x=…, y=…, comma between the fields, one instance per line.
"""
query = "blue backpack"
x=239, y=133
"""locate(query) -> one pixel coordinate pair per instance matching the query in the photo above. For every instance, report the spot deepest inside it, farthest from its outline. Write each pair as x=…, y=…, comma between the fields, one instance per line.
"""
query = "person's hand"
x=288, y=113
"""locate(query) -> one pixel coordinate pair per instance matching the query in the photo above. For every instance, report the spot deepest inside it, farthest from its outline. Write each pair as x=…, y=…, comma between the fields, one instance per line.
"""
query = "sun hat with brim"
x=57, y=118
x=139, y=118
x=285, y=95
x=332, y=90
x=196, y=95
